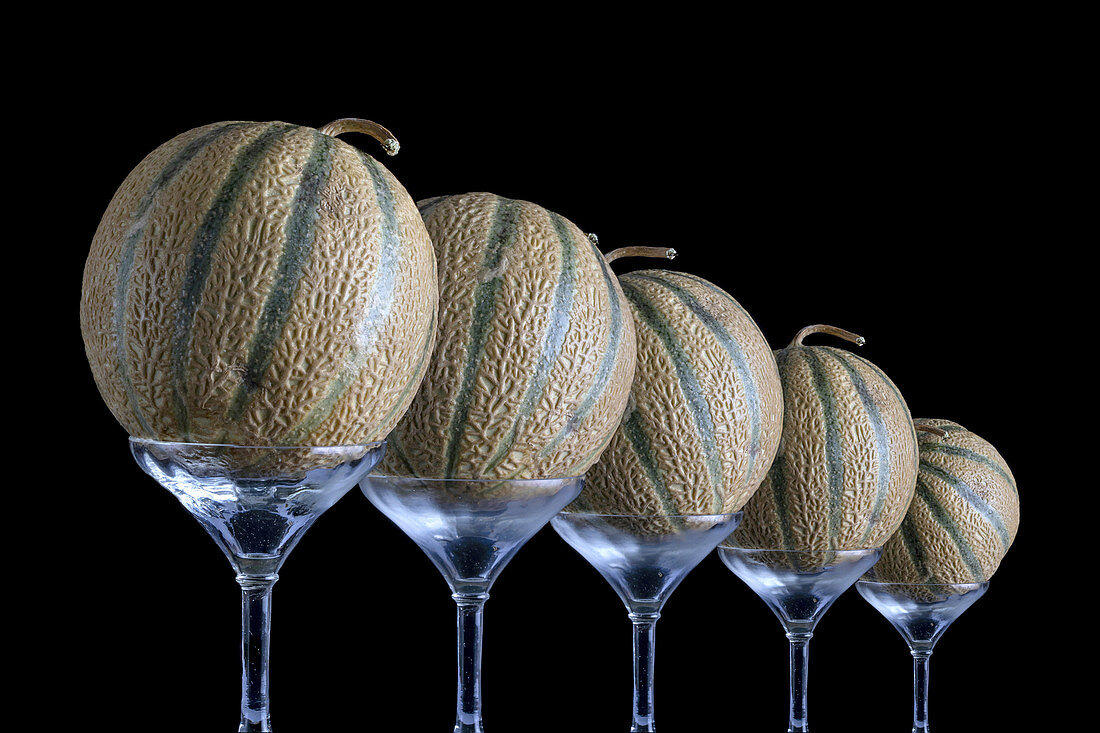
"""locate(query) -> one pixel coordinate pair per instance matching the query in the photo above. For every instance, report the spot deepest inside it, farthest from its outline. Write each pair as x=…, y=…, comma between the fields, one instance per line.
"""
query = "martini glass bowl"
x=256, y=502
x=799, y=587
x=470, y=529
x=921, y=612
x=644, y=558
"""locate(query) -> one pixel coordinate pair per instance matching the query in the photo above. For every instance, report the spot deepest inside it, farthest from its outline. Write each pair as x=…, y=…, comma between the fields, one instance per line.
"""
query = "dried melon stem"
x=354, y=124
x=831, y=330
x=667, y=253
x=931, y=429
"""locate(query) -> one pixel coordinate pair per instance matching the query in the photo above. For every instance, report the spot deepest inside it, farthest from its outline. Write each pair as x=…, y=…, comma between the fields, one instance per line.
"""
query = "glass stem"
x=645, y=627
x=921, y=658
x=471, y=619
x=255, y=645
x=800, y=675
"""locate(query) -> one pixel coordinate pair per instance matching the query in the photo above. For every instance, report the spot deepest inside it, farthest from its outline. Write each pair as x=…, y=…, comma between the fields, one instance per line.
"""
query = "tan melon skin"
x=944, y=563
x=459, y=227
x=619, y=483
x=328, y=311
x=803, y=455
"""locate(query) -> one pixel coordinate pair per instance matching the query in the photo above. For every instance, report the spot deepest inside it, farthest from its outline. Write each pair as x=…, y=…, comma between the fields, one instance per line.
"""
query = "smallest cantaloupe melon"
x=964, y=515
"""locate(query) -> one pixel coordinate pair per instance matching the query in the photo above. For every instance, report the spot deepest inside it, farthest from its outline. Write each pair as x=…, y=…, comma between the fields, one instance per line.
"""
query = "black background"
x=903, y=204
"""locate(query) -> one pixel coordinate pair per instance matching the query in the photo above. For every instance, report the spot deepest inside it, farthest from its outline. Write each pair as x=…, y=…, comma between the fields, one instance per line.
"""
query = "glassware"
x=799, y=587
x=470, y=528
x=921, y=612
x=256, y=503
x=644, y=558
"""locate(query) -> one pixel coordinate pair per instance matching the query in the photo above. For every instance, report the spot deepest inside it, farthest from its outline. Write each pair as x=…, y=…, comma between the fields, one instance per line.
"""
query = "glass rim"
x=474, y=480
x=174, y=443
x=648, y=516
x=728, y=546
x=974, y=584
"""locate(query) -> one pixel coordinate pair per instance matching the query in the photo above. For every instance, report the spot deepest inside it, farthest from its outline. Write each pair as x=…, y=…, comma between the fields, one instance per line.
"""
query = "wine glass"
x=470, y=528
x=799, y=587
x=256, y=502
x=921, y=612
x=644, y=558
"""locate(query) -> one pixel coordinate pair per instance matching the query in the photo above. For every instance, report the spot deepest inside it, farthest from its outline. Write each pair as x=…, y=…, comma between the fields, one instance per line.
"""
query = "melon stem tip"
x=366, y=127
x=854, y=338
x=667, y=253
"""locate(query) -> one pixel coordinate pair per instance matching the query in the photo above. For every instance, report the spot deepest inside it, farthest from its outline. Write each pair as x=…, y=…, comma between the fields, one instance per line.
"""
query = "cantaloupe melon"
x=846, y=467
x=535, y=352
x=964, y=516
x=260, y=283
x=706, y=407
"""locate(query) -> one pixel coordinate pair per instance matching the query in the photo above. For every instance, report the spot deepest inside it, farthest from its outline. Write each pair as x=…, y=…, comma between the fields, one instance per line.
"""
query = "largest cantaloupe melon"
x=535, y=353
x=846, y=467
x=706, y=407
x=259, y=283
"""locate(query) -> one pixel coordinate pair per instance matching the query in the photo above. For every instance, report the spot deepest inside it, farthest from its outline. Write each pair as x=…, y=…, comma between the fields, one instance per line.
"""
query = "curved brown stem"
x=354, y=124
x=664, y=252
x=930, y=429
x=831, y=330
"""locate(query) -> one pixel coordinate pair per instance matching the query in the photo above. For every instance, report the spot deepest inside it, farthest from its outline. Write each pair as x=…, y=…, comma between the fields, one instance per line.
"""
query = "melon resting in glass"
x=258, y=308
x=962, y=521
x=839, y=486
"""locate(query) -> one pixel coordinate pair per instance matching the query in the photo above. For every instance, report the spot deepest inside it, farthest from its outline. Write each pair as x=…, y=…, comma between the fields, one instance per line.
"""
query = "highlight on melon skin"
x=535, y=353
x=846, y=467
x=705, y=411
x=964, y=516
x=260, y=283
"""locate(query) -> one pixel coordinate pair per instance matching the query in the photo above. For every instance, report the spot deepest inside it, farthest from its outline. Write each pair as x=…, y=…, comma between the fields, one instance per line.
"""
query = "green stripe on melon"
x=234, y=273
x=697, y=405
x=606, y=369
x=552, y=342
x=641, y=445
x=845, y=472
x=910, y=539
x=501, y=235
x=970, y=455
x=200, y=262
x=705, y=414
x=294, y=258
x=947, y=523
x=202, y=137
x=965, y=516
x=534, y=357
x=882, y=439
x=381, y=300
x=740, y=362
x=970, y=496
